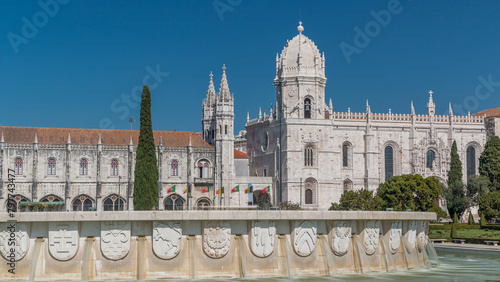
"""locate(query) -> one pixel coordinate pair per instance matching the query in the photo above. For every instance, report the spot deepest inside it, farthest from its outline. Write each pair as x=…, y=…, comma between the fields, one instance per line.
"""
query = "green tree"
x=454, y=233
x=482, y=221
x=455, y=173
x=440, y=213
x=477, y=186
x=489, y=162
x=471, y=219
x=146, y=170
x=358, y=200
x=410, y=192
x=456, y=199
x=455, y=219
x=489, y=205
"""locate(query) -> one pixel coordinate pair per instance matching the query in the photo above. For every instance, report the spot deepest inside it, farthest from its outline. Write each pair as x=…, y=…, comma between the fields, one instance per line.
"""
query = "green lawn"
x=471, y=233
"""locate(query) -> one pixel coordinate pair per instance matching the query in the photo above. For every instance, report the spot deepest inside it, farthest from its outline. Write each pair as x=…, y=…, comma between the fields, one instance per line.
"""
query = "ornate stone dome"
x=300, y=57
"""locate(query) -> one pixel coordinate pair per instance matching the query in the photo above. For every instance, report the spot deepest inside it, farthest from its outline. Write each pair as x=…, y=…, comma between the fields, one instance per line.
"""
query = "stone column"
x=34, y=188
x=160, y=178
x=189, y=172
x=130, y=198
x=98, y=176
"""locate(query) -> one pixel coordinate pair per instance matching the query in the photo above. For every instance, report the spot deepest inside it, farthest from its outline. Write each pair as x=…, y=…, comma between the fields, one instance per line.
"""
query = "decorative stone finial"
x=36, y=138
x=450, y=110
x=99, y=142
x=300, y=28
x=190, y=141
x=412, y=109
x=69, y=138
x=131, y=142
x=3, y=140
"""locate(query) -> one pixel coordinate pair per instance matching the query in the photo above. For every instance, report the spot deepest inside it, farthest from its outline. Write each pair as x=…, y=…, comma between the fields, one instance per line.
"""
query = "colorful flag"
x=206, y=189
x=172, y=189
x=186, y=191
x=220, y=191
x=265, y=190
x=236, y=189
x=249, y=189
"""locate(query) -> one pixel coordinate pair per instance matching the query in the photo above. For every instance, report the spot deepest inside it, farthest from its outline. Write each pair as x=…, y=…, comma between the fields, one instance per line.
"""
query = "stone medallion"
x=115, y=239
x=216, y=238
x=262, y=237
x=421, y=238
x=63, y=240
x=304, y=237
x=167, y=239
x=411, y=234
x=371, y=239
x=19, y=232
x=395, y=236
x=340, y=236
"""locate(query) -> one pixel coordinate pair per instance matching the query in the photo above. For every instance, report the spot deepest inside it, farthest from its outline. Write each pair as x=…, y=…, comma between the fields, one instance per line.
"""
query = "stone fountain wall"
x=210, y=244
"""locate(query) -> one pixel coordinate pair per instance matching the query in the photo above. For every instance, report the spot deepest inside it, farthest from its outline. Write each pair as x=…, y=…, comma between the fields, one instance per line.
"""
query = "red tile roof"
x=495, y=112
x=14, y=134
x=240, y=154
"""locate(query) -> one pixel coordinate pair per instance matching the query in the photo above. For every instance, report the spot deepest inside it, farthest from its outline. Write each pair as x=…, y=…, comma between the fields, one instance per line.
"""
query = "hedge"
x=491, y=227
x=460, y=226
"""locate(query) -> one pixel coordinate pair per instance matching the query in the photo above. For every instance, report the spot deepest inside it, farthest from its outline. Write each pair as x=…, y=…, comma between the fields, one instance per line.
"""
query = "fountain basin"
x=211, y=244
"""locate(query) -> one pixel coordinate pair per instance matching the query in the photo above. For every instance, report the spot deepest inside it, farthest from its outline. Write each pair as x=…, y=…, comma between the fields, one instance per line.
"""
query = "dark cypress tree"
x=455, y=173
x=489, y=162
x=146, y=170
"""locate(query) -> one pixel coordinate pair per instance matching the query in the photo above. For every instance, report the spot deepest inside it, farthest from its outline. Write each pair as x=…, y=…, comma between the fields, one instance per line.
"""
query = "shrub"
x=454, y=233
x=482, y=221
x=439, y=212
x=471, y=219
x=289, y=206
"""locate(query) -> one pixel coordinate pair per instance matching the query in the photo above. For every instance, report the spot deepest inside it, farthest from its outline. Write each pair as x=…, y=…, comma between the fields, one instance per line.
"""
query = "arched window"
x=389, y=162
x=174, y=168
x=203, y=203
x=16, y=201
x=114, y=167
x=346, y=154
x=431, y=156
x=347, y=185
x=309, y=196
x=114, y=203
x=56, y=202
x=82, y=203
x=174, y=202
x=18, y=166
x=51, y=166
x=307, y=108
x=203, y=169
x=213, y=134
x=225, y=130
x=84, y=167
x=471, y=161
x=308, y=156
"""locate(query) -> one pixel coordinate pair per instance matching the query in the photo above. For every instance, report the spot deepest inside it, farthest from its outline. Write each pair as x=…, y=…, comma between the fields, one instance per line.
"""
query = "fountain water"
x=87, y=252
x=360, y=260
x=389, y=259
x=141, y=257
x=192, y=256
x=327, y=255
x=383, y=254
x=37, y=253
x=240, y=255
x=431, y=252
x=284, y=254
x=410, y=254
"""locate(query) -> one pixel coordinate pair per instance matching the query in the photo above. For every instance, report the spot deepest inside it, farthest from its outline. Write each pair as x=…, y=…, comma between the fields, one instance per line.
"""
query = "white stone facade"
x=325, y=152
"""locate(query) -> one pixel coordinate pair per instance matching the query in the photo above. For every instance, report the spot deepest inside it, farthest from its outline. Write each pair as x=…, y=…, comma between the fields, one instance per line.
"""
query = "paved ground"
x=467, y=246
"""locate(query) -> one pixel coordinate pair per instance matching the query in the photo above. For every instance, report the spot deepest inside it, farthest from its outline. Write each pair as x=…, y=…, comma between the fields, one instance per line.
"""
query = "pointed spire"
x=450, y=110
x=190, y=144
x=248, y=119
x=36, y=137
x=260, y=113
x=224, y=94
x=99, y=142
x=330, y=105
x=211, y=90
x=3, y=140
x=412, y=109
x=69, y=139
x=431, y=107
x=132, y=142
x=368, y=111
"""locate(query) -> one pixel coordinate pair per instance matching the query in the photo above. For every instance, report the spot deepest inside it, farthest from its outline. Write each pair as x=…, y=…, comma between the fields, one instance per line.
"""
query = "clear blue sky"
x=70, y=70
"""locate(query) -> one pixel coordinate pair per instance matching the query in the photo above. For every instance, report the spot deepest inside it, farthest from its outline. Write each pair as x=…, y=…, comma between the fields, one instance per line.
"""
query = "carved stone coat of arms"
x=395, y=236
x=262, y=238
x=304, y=237
x=216, y=238
x=372, y=231
x=115, y=239
x=21, y=240
x=167, y=239
x=63, y=240
x=340, y=236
